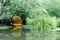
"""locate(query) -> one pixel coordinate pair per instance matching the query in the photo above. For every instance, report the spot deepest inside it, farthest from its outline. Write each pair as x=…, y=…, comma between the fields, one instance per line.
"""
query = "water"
x=29, y=35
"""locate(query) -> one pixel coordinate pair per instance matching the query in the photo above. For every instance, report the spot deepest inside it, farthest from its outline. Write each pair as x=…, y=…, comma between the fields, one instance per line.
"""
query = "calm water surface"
x=29, y=35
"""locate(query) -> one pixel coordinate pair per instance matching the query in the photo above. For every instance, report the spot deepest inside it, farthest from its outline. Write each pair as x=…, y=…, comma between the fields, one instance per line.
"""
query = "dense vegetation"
x=40, y=14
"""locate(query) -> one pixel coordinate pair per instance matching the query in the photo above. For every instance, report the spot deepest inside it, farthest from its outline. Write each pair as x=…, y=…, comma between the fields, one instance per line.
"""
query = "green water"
x=29, y=35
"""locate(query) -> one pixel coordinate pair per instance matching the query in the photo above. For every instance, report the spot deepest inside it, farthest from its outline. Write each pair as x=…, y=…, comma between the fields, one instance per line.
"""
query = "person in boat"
x=17, y=22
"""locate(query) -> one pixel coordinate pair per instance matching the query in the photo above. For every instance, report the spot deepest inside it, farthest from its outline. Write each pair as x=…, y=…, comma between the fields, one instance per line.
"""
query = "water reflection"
x=29, y=35
x=15, y=35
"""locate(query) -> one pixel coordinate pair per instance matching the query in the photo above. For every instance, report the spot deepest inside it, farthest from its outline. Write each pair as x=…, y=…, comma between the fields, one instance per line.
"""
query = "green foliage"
x=39, y=14
x=43, y=23
x=58, y=22
x=20, y=7
x=52, y=7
